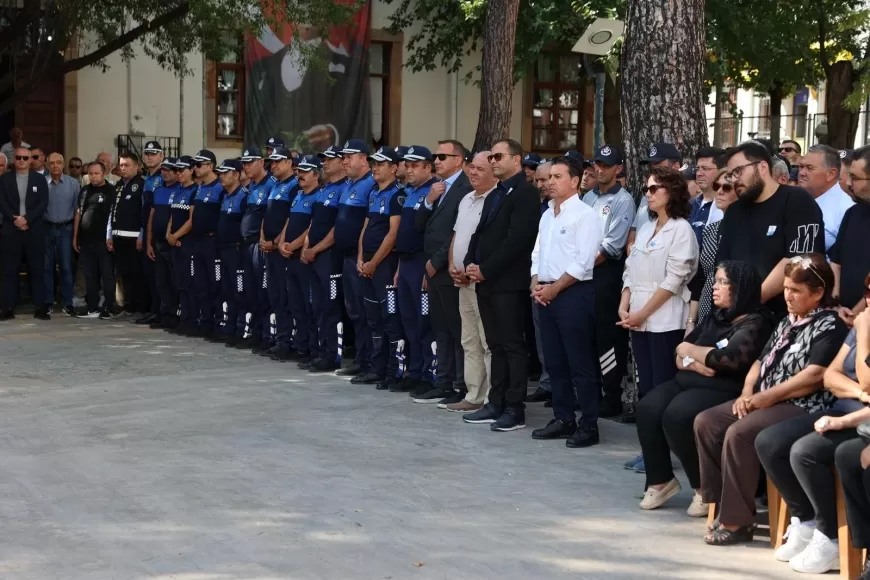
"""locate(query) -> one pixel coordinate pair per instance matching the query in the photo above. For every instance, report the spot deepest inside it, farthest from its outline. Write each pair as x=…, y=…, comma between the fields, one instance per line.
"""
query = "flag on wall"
x=297, y=102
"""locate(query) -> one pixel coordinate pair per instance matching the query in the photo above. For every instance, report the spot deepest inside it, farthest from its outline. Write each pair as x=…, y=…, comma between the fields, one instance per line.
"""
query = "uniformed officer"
x=182, y=244
x=158, y=250
x=272, y=143
x=352, y=209
x=229, y=242
x=271, y=234
x=205, y=216
x=319, y=251
x=401, y=169
x=152, y=157
x=411, y=273
x=530, y=165
x=125, y=235
x=253, y=258
x=376, y=264
x=615, y=207
x=299, y=272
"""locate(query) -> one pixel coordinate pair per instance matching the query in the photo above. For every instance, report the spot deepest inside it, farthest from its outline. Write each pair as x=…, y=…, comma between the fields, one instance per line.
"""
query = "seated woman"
x=798, y=455
x=713, y=362
x=853, y=466
x=785, y=382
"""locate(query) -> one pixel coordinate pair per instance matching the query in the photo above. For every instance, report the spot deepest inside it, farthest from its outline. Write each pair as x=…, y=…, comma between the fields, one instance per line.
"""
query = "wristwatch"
x=687, y=361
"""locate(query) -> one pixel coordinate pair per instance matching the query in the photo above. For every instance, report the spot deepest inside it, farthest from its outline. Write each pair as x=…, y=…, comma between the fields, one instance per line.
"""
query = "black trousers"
x=798, y=461
x=99, y=274
x=665, y=419
x=31, y=243
x=447, y=325
x=164, y=281
x=149, y=273
x=856, y=489
x=504, y=323
x=128, y=271
x=611, y=340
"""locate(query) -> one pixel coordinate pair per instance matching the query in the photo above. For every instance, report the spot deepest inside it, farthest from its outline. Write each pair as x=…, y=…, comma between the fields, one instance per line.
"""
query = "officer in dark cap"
x=206, y=273
x=663, y=154
x=274, y=226
x=846, y=156
x=272, y=143
x=352, y=209
x=401, y=170
x=182, y=244
x=158, y=248
x=152, y=158
x=376, y=264
x=259, y=332
x=229, y=243
x=126, y=234
x=530, y=165
x=298, y=272
x=576, y=155
x=689, y=173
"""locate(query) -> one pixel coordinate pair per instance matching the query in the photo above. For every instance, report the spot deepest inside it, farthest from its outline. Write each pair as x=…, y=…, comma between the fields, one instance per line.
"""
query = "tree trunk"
x=612, y=119
x=776, y=94
x=497, y=73
x=842, y=123
x=717, y=116
x=662, y=71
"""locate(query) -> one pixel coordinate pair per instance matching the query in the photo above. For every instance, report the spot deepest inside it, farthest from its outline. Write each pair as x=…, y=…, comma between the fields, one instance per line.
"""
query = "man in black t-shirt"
x=769, y=222
x=850, y=258
x=89, y=240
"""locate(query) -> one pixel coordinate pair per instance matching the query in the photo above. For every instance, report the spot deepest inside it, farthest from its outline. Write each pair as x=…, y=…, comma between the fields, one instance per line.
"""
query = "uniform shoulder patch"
x=401, y=199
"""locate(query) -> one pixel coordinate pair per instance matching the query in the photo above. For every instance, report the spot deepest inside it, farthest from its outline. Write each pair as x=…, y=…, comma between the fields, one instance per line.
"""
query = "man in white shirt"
x=478, y=359
x=820, y=175
x=569, y=237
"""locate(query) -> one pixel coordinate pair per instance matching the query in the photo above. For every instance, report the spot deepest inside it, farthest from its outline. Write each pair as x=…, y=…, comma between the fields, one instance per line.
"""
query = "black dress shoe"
x=42, y=314
x=305, y=363
x=549, y=403
x=351, y=371
x=147, y=319
x=610, y=409
x=583, y=437
x=7, y=315
x=434, y=395
x=402, y=385
x=280, y=353
x=323, y=366
x=247, y=343
x=156, y=324
x=366, y=379
x=388, y=383
x=555, y=429
x=231, y=341
x=539, y=396
x=262, y=348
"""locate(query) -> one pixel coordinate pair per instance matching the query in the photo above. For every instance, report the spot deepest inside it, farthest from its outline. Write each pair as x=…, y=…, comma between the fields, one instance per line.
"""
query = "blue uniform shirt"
x=352, y=208
x=162, y=209
x=410, y=239
x=229, y=230
x=383, y=205
x=180, y=201
x=278, y=207
x=255, y=207
x=300, y=214
x=207, y=208
x=325, y=211
x=152, y=182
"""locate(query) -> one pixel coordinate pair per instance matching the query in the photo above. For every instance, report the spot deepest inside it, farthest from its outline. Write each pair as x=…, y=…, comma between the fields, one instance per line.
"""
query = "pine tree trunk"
x=717, y=116
x=662, y=71
x=612, y=119
x=842, y=123
x=775, y=94
x=497, y=73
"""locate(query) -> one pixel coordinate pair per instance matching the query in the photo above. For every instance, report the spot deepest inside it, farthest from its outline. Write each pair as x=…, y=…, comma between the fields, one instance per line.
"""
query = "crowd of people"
x=738, y=286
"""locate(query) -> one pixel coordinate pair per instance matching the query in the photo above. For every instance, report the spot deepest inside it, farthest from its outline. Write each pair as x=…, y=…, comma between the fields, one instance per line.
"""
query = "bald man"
x=108, y=161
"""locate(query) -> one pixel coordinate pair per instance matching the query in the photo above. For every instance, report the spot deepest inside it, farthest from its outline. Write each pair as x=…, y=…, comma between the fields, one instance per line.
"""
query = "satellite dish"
x=600, y=37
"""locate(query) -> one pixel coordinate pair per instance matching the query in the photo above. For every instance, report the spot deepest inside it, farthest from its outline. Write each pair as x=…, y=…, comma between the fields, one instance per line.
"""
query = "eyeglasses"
x=807, y=264
x=725, y=187
x=22, y=158
x=738, y=171
x=721, y=282
x=444, y=156
x=854, y=177
x=651, y=189
x=498, y=156
x=787, y=150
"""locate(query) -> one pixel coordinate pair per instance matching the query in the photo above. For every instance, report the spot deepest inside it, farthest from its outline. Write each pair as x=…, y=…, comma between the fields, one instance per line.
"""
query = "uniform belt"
x=125, y=233
x=404, y=257
x=61, y=224
x=578, y=282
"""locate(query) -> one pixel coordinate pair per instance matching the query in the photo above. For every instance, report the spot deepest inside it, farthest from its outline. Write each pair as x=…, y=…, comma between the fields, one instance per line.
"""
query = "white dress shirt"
x=448, y=183
x=567, y=243
x=667, y=260
x=833, y=204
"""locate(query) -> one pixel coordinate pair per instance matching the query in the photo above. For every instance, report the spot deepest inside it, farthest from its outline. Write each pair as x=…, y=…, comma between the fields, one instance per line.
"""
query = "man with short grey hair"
x=63, y=197
x=108, y=161
x=780, y=170
x=820, y=175
x=4, y=162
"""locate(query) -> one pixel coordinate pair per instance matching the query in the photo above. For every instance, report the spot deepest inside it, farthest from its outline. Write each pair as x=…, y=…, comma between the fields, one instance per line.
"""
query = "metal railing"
x=135, y=144
x=799, y=128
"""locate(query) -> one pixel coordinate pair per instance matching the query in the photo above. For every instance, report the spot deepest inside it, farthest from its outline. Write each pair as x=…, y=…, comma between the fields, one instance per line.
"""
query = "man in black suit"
x=436, y=219
x=23, y=201
x=499, y=260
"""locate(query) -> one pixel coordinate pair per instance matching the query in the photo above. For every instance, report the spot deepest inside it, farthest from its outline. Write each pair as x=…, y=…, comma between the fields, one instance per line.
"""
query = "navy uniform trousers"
x=233, y=290
x=354, y=302
x=611, y=340
x=182, y=266
x=415, y=323
x=256, y=291
x=149, y=272
x=568, y=332
x=382, y=319
x=299, y=305
x=206, y=280
x=276, y=268
x=326, y=303
x=163, y=280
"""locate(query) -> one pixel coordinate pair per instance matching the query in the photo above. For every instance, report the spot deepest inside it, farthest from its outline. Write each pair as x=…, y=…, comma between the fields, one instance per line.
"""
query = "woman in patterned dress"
x=785, y=382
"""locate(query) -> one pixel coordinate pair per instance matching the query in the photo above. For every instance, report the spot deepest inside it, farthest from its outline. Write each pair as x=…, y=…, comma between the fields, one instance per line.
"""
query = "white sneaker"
x=820, y=556
x=656, y=498
x=698, y=509
x=797, y=538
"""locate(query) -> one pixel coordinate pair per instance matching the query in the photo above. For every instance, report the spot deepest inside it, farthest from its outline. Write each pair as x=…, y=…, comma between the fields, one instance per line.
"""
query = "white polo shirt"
x=833, y=204
x=568, y=242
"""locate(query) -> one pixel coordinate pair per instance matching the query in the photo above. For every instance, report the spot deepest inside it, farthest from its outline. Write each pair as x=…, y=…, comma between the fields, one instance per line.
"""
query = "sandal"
x=714, y=526
x=725, y=537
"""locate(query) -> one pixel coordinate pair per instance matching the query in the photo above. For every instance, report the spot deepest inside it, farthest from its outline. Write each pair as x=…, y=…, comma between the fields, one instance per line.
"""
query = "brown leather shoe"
x=463, y=406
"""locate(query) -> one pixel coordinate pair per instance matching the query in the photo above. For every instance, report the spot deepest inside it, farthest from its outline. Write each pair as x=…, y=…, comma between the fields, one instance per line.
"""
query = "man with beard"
x=850, y=259
x=769, y=223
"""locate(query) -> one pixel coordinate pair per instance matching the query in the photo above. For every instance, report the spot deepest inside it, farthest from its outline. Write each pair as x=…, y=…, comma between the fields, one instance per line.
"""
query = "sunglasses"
x=75, y=166
x=181, y=169
x=497, y=156
x=23, y=158
x=807, y=264
x=725, y=187
x=787, y=150
x=651, y=189
x=444, y=156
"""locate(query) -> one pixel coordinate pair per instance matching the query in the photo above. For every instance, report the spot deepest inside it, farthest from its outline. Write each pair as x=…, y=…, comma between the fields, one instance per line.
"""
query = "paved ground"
x=128, y=453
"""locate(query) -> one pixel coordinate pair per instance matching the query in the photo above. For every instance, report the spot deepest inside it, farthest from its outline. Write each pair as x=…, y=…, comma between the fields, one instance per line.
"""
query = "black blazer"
x=35, y=203
x=503, y=243
x=437, y=223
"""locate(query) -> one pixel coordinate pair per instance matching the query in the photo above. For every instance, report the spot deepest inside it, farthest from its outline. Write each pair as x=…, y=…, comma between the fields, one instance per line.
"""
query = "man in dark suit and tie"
x=499, y=261
x=23, y=201
x=436, y=219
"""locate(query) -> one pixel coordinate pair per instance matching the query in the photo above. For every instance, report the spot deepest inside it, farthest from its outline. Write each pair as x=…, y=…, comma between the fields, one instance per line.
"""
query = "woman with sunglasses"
x=655, y=295
x=701, y=285
x=785, y=382
x=798, y=455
